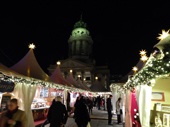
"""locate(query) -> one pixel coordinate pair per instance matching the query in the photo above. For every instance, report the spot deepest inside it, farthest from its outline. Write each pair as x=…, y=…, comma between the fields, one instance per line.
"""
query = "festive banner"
x=6, y=86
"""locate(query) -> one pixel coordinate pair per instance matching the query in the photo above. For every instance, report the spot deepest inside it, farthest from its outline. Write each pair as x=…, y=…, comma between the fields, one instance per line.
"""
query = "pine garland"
x=153, y=69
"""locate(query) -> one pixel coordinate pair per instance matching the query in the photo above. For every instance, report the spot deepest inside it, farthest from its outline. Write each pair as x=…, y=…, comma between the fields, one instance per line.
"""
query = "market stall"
x=33, y=87
x=42, y=101
x=145, y=82
x=58, y=77
x=160, y=103
x=73, y=94
x=33, y=70
x=101, y=91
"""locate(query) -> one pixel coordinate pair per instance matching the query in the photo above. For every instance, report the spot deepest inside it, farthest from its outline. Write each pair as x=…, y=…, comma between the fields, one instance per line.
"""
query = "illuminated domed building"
x=80, y=58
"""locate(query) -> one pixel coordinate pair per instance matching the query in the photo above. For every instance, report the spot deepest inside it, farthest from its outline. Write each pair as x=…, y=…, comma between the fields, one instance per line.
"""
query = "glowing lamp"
x=96, y=78
x=163, y=35
x=31, y=46
x=84, y=79
x=71, y=71
x=58, y=63
x=144, y=58
x=142, y=52
x=79, y=76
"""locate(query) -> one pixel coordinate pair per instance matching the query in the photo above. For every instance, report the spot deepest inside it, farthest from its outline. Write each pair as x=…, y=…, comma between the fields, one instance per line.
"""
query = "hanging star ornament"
x=142, y=52
x=144, y=58
x=163, y=35
x=135, y=69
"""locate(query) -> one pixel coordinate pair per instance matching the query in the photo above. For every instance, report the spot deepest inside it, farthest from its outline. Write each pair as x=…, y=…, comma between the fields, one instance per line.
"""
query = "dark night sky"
x=119, y=30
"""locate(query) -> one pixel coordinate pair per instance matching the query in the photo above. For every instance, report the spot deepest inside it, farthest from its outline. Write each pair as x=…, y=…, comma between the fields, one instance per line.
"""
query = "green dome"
x=80, y=24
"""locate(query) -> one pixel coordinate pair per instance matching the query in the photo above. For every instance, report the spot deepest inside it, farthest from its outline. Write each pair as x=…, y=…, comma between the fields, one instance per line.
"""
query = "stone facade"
x=80, y=61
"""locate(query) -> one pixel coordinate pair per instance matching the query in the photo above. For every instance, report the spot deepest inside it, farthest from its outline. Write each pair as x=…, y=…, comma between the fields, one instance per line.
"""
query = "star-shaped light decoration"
x=135, y=69
x=31, y=46
x=142, y=52
x=163, y=35
x=144, y=58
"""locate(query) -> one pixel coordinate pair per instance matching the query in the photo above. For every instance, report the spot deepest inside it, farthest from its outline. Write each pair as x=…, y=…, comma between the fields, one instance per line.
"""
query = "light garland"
x=154, y=69
x=118, y=87
x=32, y=81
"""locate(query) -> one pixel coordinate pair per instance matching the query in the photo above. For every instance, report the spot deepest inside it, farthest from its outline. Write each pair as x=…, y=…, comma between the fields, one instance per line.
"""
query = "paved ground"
x=93, y=123
x=98, y=119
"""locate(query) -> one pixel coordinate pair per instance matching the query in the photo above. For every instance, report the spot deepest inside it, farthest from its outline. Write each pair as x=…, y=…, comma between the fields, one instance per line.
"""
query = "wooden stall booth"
x=42, y=101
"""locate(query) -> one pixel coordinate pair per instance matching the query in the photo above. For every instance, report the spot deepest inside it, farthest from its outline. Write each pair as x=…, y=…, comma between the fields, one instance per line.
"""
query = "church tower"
x=80, y=42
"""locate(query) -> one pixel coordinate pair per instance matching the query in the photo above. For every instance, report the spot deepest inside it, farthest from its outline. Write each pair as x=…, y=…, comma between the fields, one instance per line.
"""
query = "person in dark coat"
x=90, y=105
x=87, y=101
x=76, y=105
x=77, y=102
x=57, y=115
x=109, y=110
x=81, y=114
x=98, y=102
x=46, y=121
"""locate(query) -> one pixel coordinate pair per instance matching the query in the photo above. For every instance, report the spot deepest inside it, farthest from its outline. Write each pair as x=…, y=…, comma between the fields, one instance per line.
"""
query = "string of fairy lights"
x=32, y=81
x=155, y=67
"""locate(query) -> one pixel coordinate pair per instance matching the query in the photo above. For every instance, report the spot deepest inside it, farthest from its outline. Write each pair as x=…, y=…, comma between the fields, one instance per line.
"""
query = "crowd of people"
x=58, y=114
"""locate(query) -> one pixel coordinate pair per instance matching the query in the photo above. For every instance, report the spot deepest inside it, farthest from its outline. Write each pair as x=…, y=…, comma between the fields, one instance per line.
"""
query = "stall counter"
x=40, y=113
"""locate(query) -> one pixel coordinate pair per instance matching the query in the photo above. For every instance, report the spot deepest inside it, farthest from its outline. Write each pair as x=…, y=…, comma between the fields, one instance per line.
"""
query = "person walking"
x=13, y=117
x=98, y=102
x=77, y=102
x=109, y=109
x=94, y=101
x=81, y=114
x=57, y=115
x=90, y=105
x=46, y=121
x=104, y=103
x=76, y=105
x=118, y=110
